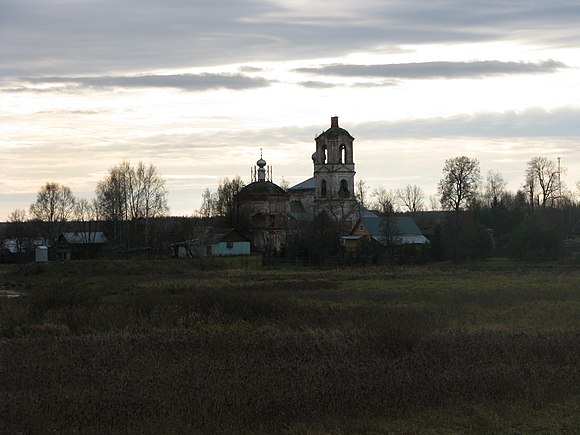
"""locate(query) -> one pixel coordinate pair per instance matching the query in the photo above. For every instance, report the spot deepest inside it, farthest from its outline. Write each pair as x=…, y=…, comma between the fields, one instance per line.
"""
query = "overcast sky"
x=198, y=87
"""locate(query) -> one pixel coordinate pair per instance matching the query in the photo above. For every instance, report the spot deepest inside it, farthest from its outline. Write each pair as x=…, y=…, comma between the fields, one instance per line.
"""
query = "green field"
x=168, y=347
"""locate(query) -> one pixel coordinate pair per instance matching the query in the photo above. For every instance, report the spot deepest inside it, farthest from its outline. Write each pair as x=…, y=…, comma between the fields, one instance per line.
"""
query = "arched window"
x=342, y=154
x=343, y=192
x=323, y=154
x=323, y=188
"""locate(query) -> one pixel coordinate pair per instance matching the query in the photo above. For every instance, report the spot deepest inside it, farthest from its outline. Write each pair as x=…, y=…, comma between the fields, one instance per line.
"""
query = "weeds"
x=179, y=350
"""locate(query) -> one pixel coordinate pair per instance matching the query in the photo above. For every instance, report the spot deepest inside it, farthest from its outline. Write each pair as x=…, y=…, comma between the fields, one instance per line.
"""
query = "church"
x=266, y=213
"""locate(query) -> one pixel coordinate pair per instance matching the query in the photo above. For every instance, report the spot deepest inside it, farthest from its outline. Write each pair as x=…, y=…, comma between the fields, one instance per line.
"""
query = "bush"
x=534, y=241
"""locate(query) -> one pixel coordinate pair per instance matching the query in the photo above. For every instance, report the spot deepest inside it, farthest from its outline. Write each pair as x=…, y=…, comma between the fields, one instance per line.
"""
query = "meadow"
x=169, y=347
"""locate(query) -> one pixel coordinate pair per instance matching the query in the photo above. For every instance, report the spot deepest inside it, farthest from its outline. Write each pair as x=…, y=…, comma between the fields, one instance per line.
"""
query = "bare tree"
x=128, y=194
x=208, y=204
x=284, y=184
x=361, y=192
x=54, y=205
x=411, y=197
x=17, y=230
x=494, y=187
x=385, y=200
x=86, y=218
x=460, y=182
x=542, y=182
x=434, y=202
x=226, y=195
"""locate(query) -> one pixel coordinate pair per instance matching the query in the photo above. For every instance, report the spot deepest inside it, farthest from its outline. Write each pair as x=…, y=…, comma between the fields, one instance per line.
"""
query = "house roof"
x=212, y=236
x=309, y=184
x=85, y=237
x=405, y=230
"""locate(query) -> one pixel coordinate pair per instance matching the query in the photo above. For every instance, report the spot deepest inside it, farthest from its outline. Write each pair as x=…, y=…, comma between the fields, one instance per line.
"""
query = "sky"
x=198, y=88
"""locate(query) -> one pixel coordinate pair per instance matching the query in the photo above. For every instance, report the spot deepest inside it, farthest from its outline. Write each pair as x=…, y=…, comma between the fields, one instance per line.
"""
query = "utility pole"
x=559, y=182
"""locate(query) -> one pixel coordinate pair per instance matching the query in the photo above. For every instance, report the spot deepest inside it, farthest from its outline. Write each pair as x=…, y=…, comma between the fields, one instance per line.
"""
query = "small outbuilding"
x=213, y=242
x=41, y=254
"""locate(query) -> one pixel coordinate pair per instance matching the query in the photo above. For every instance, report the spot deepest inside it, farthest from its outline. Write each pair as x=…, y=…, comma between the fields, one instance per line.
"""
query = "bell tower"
x=334, y=165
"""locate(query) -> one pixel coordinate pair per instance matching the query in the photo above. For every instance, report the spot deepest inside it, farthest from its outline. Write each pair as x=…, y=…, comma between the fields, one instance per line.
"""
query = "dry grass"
x=173, y=349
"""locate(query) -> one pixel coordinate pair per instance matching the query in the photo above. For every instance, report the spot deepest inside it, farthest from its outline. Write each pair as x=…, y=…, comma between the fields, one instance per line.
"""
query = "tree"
x=131, y=194
x=494, y=188
x=226, y=195
x=361, y=192
x=86, y=218
x=542, y=182
x=460, y=182
x=208, y=204
x=54, y=205
x=17, y=229
x=411, y=196
x=384, y=200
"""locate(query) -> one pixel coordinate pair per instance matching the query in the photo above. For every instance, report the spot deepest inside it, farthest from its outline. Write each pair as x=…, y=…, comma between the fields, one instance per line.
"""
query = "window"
x=342, y=154
x=343, y=192
x=323, y=154
x=323, y=188
x=230, y=245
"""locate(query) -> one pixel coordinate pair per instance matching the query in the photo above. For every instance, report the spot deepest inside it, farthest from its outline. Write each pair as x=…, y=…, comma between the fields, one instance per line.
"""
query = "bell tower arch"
x=334, y=164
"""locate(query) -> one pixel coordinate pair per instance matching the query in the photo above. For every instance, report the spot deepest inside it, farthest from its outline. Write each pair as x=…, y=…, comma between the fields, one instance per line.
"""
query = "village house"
x=383, y=231
x=213, y=242
x=80, y=245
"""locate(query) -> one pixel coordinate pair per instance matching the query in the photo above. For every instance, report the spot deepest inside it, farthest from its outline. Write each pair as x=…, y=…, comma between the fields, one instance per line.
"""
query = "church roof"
x=309, y=184
x=335, y=131
x=258, y=189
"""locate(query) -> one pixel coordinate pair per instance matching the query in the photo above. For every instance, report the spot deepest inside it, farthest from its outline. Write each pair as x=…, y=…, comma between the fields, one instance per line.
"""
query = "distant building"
x=213, y=242
x=382, y=231
x=80, y=245
x=266, y=213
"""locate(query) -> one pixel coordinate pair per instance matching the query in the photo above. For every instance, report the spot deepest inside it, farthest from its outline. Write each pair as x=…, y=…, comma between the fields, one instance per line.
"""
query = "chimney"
x=334, y=122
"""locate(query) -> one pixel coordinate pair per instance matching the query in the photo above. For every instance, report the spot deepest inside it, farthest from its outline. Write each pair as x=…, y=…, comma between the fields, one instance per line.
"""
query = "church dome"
x=258, y=190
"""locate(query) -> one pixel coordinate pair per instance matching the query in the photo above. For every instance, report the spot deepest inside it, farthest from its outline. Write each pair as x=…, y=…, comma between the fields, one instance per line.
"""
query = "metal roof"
x=85, y=237
x=305, y=185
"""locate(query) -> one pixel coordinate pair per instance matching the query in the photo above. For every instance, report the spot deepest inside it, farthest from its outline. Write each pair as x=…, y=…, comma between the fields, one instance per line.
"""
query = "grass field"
x=164, y=347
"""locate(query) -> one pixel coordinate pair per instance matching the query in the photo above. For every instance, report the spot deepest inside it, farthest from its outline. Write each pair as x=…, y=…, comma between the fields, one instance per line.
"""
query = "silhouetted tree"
x=411, y=197
x=460, y=182
x=54, y=205
x=542, y=182
x=225, y=204
x=131, y=194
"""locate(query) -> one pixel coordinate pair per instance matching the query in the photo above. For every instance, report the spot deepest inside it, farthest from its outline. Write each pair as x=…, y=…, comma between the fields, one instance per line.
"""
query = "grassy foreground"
x=163, y=347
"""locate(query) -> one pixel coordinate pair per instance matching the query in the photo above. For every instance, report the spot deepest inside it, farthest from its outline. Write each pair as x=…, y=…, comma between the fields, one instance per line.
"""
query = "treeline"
x=127, y=201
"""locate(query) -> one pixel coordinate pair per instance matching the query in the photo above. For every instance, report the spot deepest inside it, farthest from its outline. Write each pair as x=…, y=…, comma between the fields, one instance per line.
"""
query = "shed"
x=41, y=254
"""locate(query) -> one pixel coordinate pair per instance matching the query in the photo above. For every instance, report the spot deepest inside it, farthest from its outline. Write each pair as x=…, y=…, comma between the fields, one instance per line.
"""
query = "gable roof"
x=309, y=184
x=212, y=236
x=405, y=229
x=84, y=237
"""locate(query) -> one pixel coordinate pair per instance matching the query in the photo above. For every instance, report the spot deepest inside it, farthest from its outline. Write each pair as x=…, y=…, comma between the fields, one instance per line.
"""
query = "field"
x=166, y=347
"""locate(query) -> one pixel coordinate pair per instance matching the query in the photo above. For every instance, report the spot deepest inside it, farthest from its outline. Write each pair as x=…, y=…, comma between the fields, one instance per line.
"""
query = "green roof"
x=404, y=225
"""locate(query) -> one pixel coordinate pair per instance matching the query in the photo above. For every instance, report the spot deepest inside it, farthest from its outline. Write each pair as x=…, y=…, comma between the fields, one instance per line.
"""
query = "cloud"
x=109, y=37
x=436, y=70
x=317, y=84
x=185, y=82
x=530, y=123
